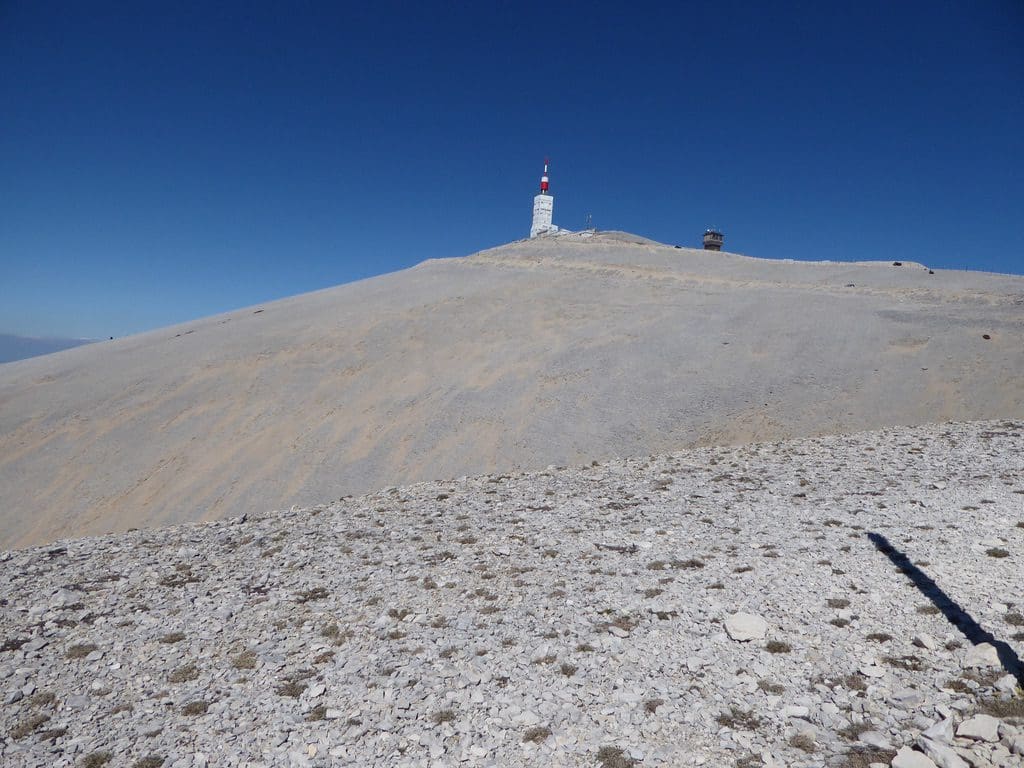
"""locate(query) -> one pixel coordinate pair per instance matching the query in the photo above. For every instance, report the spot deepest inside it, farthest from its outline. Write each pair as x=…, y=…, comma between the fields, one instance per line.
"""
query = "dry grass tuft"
x=737, y=719
x=443, y=716
x=855, y=682
x=41, y=699
x=909, y=663
x=195, y=708
x=613, y=757
x=12, y=644
x=537, y=734
x=308, y=595
x=291, y=688
x=1003, y=708
x=804, y=742
x=691, y=563
x=863, y=758
x=80, y=651
x=184, y=674
x=651, y=705
x=244, y=660
x=324, y=657
x=26, y=726
x=96, y=759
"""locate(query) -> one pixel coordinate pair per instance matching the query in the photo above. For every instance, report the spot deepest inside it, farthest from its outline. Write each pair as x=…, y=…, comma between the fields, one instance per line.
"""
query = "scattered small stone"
x=875, y=739
x=926, y=641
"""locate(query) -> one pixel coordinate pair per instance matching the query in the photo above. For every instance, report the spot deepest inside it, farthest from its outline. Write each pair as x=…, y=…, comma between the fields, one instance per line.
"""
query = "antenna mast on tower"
x=543, y=206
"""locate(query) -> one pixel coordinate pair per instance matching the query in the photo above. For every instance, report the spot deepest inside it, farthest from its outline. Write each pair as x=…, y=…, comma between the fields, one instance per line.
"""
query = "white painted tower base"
x=543, y=206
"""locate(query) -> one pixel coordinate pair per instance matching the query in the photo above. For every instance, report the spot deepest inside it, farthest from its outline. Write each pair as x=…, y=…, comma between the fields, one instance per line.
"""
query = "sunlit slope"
x=553, y=351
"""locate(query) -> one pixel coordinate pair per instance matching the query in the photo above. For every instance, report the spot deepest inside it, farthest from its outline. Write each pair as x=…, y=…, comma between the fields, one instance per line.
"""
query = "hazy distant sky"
x=163, y=161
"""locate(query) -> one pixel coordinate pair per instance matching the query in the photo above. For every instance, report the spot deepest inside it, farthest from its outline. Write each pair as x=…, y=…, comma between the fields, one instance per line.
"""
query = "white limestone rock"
x=1006, y=684
x=980, y=728
x=875, y=739
x=981, y=655
x=908, y=758
x=941, y=731
x=941, y=754
x=744, y=627
x=926, y=641
x=1015, y=743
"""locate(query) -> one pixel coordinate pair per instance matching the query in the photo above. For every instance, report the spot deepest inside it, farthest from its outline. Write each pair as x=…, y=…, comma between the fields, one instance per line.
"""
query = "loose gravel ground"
x=570, y=617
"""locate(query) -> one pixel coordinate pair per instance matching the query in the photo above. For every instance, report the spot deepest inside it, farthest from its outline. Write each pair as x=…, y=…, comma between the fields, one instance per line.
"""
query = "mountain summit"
x=557, y=350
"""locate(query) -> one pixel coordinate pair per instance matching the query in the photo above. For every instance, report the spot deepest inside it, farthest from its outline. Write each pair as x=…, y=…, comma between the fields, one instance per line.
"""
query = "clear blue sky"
x=164, y=161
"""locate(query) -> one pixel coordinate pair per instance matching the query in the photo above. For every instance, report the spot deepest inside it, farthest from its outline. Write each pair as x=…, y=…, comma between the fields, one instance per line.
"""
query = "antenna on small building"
x=713, y=240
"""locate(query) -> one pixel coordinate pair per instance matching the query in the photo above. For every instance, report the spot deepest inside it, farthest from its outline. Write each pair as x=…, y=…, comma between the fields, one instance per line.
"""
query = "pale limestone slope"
x=552, y=351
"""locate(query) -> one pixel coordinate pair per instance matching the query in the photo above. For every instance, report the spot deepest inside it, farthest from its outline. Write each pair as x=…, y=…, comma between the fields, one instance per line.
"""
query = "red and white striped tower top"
x=544, y=179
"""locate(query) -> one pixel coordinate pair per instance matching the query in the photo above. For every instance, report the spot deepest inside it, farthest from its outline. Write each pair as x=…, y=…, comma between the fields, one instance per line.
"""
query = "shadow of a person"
x=956, y=615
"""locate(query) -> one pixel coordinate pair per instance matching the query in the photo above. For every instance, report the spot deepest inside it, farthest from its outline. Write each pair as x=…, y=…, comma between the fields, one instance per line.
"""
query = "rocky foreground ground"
x=843, y=601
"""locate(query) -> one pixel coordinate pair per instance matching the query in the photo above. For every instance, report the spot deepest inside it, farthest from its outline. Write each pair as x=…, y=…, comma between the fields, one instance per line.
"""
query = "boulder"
x=979, y=728
x=941, y=754
x=980, y=655
x=940, y=731
x=1006, y=684
x=745, y=626
x=908, y=758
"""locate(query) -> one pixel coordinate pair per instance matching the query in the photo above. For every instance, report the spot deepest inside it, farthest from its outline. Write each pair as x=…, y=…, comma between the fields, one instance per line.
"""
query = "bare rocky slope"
x=845, y=601
x=557, y=350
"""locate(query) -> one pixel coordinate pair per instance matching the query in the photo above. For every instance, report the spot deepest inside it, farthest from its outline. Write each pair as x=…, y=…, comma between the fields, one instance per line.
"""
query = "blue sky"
x=164, y=161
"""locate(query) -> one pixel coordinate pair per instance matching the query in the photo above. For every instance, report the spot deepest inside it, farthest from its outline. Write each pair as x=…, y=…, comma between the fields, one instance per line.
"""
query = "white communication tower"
x=543, y=207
